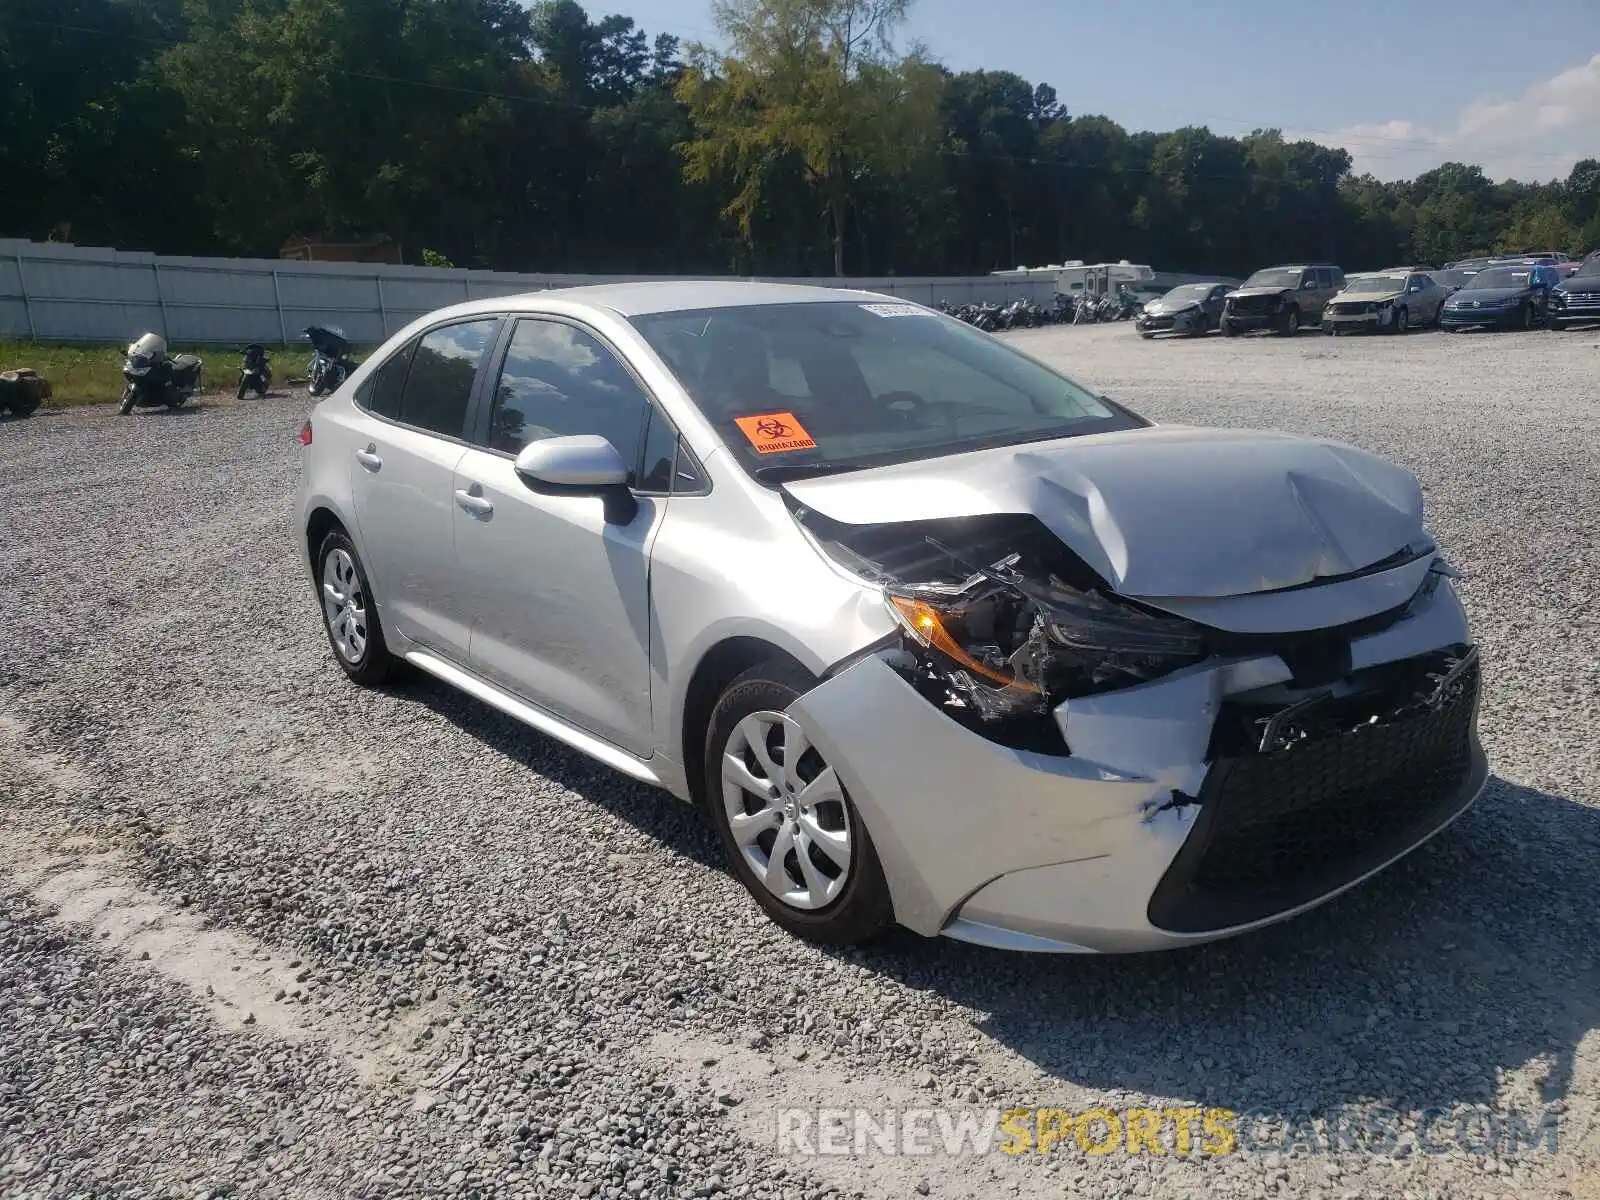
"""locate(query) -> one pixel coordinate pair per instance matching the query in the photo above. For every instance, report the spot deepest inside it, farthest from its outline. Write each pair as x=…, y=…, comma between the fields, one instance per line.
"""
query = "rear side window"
x=442, y=370
x=381, y=394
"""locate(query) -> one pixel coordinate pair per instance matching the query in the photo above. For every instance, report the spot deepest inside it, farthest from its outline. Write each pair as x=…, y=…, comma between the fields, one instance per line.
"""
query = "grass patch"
x=93, y=374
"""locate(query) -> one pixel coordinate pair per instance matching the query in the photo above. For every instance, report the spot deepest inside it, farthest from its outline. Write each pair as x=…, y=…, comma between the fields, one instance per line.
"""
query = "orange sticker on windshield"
x=772, y=433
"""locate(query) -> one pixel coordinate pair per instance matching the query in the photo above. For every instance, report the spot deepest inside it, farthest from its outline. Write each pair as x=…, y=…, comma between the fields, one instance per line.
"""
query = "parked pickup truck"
x=1281, y=299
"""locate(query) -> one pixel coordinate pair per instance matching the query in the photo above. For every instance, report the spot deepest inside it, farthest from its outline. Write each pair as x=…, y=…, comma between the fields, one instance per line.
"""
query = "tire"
x=832, y=904
x=1327, y=328
x=1291, y=322
x=126, y=406
x=364, y=655
x=1227, y=327
x=1527, y=316
x=1402, y=322
x=243, y=388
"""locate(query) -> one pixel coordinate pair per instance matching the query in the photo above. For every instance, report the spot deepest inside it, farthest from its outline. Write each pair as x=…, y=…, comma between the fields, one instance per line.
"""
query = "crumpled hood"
x=1160, y=308
x=1168, y=511
x=1367, y=297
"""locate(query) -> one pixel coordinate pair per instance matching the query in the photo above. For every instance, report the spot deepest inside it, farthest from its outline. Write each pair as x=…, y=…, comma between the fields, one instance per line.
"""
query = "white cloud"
x=1538, y=135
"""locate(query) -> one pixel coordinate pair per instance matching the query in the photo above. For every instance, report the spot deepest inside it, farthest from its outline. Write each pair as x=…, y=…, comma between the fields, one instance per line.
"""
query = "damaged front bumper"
x=1160, y=827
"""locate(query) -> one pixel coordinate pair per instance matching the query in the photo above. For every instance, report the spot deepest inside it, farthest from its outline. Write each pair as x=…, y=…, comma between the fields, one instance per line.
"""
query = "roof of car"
x=639, y=299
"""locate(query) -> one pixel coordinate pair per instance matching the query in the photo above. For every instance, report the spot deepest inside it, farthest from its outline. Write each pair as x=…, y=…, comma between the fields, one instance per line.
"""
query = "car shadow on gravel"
x=650, y=810
x=1472, y=959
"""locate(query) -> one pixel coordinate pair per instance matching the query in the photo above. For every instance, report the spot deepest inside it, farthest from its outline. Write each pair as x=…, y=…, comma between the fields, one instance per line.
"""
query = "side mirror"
x=584, y=464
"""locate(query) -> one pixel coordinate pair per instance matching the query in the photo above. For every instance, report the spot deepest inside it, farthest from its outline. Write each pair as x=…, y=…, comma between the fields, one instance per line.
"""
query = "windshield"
x=1500, y=277
x=1376, y=285
x=1278, y=277
x=812, y=388
x=1190, y=292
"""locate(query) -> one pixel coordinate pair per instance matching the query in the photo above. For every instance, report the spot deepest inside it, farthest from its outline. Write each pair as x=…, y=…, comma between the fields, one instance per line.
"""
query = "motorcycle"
x=331, y=363
x=154, y=379
x=255, y=372
x=22, y=391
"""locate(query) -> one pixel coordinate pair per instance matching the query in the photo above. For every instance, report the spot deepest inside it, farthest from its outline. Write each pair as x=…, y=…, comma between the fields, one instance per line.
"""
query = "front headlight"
x=1009, y=646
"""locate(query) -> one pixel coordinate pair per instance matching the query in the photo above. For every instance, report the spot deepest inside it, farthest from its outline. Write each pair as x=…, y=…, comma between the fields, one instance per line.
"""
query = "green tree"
x=814, y=82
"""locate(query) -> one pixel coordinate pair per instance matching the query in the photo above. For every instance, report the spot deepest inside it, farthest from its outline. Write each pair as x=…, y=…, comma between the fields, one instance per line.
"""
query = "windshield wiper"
x=784, y=472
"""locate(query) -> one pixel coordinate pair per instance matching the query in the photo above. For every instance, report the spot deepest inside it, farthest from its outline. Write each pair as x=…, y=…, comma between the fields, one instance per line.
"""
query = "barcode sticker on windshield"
x=898, y=310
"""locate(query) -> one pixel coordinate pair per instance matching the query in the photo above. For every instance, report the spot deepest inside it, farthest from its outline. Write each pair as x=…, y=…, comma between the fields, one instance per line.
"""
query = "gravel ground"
x=263, y=933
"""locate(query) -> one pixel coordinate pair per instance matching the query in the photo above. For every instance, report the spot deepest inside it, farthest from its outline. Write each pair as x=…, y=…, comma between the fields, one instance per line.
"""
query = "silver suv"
x=932, y=634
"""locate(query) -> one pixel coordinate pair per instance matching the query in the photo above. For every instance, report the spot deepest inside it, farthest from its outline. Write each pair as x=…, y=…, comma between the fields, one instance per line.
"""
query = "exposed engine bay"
x=1000, y=622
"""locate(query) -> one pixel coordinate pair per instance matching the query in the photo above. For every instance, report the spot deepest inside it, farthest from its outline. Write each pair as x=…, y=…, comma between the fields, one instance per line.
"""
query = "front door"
x=560, y=595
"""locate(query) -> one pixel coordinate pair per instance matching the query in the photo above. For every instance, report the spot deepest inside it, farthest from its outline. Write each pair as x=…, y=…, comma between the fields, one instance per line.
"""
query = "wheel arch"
x=320, y=522
x=719, y=666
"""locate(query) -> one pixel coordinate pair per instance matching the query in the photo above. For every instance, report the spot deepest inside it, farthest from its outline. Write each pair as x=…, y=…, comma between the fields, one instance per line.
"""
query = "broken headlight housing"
x=1005, y=644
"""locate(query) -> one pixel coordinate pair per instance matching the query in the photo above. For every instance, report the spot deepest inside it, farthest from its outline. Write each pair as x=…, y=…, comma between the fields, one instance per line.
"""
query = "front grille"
x=1159, y=322
x=1255, y=304
x=1280, y=827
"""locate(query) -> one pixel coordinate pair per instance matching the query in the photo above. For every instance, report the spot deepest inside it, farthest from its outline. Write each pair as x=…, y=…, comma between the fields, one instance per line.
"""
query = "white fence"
x=53, y=291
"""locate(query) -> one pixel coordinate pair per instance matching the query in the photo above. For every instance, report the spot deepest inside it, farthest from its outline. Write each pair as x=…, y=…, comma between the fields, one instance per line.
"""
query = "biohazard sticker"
x=773, y=433
x=897, y=310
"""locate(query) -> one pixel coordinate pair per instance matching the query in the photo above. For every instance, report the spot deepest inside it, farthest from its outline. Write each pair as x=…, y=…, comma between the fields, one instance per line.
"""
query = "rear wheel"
x=791, y=834
x=349, y=613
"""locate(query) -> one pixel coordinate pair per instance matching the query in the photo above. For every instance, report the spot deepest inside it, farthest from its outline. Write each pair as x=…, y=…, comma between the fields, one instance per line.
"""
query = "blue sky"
x=1404, y=85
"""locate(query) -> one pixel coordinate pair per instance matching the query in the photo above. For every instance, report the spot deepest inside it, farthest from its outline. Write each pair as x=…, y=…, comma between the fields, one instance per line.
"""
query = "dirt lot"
x=262, y=933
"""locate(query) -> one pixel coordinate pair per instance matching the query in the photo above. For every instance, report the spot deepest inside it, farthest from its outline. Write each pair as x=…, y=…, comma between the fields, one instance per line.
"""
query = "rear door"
x=410, y=438
x=1325, y=290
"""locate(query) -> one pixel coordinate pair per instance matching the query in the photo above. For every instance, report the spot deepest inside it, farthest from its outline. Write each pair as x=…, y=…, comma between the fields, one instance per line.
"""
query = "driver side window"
x=559, y=380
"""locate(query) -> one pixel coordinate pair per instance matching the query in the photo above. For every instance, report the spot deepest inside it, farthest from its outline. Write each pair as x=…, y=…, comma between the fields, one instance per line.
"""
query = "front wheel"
x=244, y=387
x=1291, y=322
x=791, y=834
x=126, y=406
x=1402, y=321
x=349, y=613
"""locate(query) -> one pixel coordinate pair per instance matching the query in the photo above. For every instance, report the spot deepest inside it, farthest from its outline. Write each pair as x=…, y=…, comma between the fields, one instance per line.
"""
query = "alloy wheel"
x=344, y=605
x=786, y=810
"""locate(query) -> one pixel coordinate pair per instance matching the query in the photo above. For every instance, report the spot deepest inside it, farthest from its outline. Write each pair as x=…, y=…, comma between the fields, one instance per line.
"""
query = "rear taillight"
x=305, y=432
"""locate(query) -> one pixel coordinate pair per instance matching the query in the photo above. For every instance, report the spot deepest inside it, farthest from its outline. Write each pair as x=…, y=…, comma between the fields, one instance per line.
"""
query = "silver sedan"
x=933, y=635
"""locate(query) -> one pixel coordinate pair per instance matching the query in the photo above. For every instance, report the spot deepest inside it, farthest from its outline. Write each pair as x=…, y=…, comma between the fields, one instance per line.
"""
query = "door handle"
x=369, y=459
x=478, y=506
